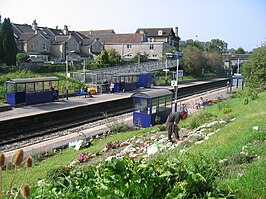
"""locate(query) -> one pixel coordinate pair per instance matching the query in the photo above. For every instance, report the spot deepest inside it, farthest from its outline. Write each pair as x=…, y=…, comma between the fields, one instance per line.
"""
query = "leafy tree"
x=240, y=51
x=114, y=57
x=214, y=62
x=216, y=45
x=21, y=58
x=8, y=48
x=193, y=60
x=254, y=71
x=140, y=57
x=103, y=58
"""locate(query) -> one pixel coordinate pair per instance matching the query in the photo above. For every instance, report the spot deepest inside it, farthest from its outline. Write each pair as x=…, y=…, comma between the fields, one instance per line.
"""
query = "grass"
x=66, y=156
x=248, y=177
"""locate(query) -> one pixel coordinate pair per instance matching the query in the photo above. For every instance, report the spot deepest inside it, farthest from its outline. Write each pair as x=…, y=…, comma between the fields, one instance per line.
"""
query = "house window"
x=129, y=46
x=32, y=47
x=44, y=47
x=160, y=32
x=154, y=56
x=150, y=39
x=151, y=46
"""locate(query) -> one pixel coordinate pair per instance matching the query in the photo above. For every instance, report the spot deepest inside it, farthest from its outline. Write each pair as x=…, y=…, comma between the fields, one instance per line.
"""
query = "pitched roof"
x=97, y=32
x=153, y=32
x=26, y=36
x=61, y=39
x=24, y=27
x=56, y=31
x=119, y=38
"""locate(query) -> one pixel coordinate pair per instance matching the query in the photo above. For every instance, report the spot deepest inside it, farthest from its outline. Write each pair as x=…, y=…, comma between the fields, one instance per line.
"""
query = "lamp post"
x=166, y=67
x=67, y=74
x=176, y=84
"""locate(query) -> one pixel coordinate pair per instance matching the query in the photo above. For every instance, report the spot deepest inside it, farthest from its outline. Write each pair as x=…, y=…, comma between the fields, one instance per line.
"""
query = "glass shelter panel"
x=155, y=105
x=141, y=105
x=169, y=99
x=10, y=88
x=46, y=85
x=30, y=87
x=162, y=104
x=38, y=86
x=20, y=87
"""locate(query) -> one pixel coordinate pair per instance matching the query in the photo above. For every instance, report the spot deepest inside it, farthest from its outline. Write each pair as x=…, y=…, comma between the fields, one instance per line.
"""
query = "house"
x=150, y=41
x=166, y=35
x=54, y=44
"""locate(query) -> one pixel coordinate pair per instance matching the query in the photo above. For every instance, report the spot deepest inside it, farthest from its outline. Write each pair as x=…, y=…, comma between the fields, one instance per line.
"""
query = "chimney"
x=65, y=31
x=34, y=26
x=176, y=31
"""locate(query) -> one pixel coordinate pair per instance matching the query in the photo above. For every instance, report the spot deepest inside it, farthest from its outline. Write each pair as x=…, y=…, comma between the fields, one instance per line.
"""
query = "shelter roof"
x=154, y=93
x=31, y=80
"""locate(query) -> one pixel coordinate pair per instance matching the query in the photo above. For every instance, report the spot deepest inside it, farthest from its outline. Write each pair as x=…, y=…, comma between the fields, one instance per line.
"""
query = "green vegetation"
x=199, y=60
x=254, y=70
x=8, y=47
x=230, y=163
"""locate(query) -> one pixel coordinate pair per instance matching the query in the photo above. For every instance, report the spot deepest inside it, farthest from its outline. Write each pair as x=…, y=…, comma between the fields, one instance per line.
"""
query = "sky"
x=240, y=23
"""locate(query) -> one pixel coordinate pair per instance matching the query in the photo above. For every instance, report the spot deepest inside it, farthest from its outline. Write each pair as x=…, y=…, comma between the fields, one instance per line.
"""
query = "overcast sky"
x=240, y=23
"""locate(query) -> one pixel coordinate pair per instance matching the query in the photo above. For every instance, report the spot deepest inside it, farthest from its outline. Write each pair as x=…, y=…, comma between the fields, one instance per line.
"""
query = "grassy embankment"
x=243, y=173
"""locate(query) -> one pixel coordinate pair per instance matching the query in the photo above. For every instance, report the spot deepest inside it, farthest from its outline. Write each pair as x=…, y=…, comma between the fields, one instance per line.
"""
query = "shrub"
x=226, y=110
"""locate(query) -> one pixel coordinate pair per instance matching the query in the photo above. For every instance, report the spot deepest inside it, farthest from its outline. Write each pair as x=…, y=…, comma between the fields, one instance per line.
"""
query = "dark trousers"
x=172, y=129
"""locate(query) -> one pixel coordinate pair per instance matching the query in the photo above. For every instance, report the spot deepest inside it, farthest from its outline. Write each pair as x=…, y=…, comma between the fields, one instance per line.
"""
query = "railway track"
x=94, y=120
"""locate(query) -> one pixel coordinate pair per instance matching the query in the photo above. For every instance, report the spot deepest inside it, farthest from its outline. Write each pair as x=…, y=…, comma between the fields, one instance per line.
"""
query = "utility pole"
x=176, y=84
x=67, y=77
x=84, y=71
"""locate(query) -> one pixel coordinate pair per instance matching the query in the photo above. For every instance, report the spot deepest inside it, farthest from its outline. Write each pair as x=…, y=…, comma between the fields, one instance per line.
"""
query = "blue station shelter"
x=151, y=107
x=30, y=91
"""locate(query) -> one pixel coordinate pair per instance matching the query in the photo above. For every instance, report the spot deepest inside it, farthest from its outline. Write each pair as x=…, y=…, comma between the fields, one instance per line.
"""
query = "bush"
x=226, y=110
x=58, y=172
x=199, y=118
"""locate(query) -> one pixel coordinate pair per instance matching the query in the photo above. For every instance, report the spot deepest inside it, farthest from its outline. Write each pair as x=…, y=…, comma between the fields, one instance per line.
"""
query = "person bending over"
x=172, y=124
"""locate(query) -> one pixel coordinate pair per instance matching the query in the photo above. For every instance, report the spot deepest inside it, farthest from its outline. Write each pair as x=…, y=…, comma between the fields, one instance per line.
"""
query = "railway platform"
x=79, y=101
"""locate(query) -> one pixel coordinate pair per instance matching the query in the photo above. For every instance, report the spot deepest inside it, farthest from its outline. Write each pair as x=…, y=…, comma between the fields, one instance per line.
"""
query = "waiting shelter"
x=30, y=91
x=151, y=107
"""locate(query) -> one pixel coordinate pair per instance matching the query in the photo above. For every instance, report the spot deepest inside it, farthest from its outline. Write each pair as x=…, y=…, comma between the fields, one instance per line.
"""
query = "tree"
x=216, y=45
x=8, y=48
x=21, y=58
x=103, y=58
x=240, y=51
x=193, y=60
x=140, y=57
x=214, y=62
x=254, y=70
x=114, y=57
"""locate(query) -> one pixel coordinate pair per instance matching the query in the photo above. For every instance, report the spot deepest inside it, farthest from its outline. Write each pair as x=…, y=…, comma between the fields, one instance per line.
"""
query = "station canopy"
x=154, y=93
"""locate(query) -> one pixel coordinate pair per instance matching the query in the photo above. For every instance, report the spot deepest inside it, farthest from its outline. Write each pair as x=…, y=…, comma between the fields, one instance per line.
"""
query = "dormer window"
x=160, y=32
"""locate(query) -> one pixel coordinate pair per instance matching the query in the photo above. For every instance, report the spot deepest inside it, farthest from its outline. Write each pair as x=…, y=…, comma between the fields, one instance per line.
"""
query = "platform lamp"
x=168, y=55
x=176, y=84
x=67, y=74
